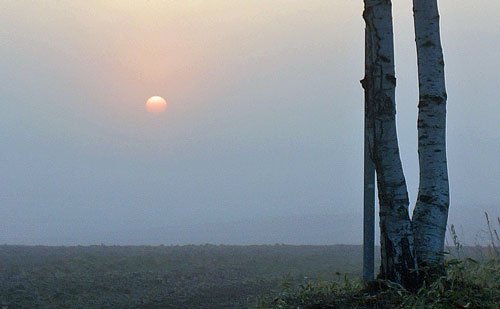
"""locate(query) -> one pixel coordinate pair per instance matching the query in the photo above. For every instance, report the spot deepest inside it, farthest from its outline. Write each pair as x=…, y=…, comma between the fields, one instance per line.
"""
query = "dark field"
x=206, y=276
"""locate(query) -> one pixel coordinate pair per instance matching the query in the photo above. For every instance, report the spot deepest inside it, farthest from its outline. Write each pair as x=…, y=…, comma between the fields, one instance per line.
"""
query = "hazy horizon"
x=264, y=119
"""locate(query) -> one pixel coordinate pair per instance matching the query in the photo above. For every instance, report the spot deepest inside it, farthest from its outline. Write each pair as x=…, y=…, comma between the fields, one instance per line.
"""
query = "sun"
x=156, y=104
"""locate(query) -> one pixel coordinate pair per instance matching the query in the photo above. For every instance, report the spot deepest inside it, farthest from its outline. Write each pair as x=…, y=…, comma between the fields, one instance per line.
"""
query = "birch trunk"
x=397, y=248
x=431, y=210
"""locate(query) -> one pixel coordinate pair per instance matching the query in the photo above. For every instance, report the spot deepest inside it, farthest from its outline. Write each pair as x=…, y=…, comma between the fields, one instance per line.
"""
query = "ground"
x=206, y=276
x=217, y=276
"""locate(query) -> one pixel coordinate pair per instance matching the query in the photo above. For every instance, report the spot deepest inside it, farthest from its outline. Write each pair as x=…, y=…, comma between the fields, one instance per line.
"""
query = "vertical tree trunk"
x=431, y=210
x=369, y=171
x=397, y=248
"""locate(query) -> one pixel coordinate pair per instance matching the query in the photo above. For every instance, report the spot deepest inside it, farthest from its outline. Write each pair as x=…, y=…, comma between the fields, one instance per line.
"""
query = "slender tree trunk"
x=431, y=211
x=369, y=170
x=397, y=248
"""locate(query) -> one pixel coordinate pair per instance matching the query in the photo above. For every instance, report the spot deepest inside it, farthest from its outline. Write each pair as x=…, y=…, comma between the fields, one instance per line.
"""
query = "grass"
x=467, y=284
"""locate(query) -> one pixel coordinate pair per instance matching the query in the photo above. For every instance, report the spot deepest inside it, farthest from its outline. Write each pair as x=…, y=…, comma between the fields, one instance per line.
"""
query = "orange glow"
x=156, y=104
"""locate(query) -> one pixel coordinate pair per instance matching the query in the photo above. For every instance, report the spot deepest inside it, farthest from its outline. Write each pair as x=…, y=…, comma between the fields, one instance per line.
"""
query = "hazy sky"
x=265, y=115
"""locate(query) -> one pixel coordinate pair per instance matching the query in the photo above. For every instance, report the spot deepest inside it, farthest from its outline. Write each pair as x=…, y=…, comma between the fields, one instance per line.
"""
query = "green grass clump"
x=317, y=294
x=467, y=284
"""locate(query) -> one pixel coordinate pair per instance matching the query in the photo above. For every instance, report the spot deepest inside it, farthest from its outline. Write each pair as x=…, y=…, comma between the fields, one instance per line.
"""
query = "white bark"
x=398, y=259
x=431, y=210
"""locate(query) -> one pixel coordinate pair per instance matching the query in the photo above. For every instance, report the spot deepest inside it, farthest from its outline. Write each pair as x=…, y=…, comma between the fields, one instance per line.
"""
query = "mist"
x=262, y=140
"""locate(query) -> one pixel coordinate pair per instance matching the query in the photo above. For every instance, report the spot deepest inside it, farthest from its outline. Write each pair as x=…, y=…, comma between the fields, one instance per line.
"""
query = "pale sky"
x=264, y=116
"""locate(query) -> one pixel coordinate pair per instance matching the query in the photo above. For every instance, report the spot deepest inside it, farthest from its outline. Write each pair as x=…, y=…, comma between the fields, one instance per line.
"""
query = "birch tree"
x=431, y=210
x=397, y=248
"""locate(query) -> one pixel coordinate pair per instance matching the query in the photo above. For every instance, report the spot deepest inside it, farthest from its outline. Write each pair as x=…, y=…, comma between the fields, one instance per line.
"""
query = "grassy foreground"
x=468, y=284
x=472, y=280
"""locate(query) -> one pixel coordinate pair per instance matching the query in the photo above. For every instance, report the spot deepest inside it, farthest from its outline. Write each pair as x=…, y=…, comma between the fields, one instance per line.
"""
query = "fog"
x=262, y=140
